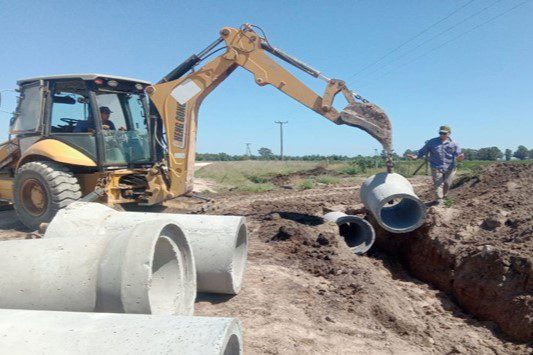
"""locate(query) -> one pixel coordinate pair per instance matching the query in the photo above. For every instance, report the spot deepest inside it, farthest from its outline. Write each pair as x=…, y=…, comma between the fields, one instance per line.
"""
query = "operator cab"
x=104, y=117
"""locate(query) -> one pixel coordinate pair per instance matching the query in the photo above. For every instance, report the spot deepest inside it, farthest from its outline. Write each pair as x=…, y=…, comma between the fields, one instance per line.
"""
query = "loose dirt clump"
x=480, y=249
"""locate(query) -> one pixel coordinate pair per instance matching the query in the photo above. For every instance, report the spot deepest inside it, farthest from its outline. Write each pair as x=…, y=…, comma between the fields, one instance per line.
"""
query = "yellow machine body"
x=176, y=100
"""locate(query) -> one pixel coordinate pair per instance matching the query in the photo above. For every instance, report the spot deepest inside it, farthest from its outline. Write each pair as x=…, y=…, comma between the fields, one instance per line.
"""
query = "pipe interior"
x=358, y=236
x=187, y=285
x=239, y=257
x=166, y=277
x=233, y=346
x=402, y=214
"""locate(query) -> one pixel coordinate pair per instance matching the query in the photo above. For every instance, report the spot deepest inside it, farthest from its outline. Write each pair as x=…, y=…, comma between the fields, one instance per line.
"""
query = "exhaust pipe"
x=358, y=234
x=393, y=203
x=36, y=332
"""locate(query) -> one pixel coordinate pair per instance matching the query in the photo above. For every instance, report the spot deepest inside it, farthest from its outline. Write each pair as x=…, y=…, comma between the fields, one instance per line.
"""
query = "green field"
x=257, y=176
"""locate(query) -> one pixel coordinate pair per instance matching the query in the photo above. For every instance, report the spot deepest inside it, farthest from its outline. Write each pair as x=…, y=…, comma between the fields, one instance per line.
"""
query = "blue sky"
x=480, y=83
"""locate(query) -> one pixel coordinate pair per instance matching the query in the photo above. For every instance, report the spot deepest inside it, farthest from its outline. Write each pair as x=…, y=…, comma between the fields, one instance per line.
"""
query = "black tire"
x=40, y=189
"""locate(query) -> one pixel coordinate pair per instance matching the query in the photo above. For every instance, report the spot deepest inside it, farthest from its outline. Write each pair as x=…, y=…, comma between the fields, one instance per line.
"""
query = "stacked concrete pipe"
x=391, y=200
x=358, y=234
x=219, y=243
x=139, y=268
x=45, y=332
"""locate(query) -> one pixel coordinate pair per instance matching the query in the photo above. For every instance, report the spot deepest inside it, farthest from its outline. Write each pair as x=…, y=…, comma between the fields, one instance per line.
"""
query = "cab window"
x=71, y=118
x=68, y=110
x=29, y=111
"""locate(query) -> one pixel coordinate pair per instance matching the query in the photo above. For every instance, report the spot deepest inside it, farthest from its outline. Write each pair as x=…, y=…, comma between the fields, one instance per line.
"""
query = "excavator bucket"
x=371, y=119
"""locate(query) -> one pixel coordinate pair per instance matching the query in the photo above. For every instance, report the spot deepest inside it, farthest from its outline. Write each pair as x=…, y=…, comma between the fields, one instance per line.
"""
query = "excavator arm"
x=177, y=97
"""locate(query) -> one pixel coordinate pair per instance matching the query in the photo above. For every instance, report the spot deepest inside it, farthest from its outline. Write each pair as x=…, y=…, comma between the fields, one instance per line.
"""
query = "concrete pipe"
x=358, y=234
x=147, y=268
x=391, y=200
x=45, y=332
x=219, y=243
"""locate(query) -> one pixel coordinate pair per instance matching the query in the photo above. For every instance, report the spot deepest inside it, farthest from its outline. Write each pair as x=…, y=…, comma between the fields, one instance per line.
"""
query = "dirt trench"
x=480, y=249
x=403, y=297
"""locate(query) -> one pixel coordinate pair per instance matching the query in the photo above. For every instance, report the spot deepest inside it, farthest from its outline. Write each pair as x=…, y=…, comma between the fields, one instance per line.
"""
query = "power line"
x=457, y=37
x=435, y=36
x=412, y=38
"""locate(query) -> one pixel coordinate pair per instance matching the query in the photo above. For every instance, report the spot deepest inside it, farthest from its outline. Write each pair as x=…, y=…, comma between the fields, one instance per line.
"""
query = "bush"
x=257, y=179
x=328, y=180
x=307, y=184
x=350, y=170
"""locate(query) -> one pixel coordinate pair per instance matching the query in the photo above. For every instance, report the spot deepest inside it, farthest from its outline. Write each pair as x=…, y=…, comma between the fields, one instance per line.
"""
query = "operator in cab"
x=89, y=125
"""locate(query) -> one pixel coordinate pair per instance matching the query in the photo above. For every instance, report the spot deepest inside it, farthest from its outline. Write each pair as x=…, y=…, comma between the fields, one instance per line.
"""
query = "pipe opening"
x=239, y=257
x=402, y=214
x=173, y=286
x=358, y=235
x=166, y=277
x=233, y=346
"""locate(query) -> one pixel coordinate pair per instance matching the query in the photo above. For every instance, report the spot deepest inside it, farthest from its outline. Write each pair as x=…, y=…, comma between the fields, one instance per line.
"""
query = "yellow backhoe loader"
x=125, y=141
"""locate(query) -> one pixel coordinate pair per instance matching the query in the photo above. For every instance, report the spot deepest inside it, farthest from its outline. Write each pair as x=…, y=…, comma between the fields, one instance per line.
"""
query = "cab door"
x=27, y=122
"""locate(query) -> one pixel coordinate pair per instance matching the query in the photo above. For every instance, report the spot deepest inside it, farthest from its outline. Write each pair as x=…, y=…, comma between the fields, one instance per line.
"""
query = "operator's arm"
x=422, y=152
x=459, y=156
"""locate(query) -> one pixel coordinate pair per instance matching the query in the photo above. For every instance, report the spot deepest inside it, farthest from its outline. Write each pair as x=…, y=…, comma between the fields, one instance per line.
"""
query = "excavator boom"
x=177, y=97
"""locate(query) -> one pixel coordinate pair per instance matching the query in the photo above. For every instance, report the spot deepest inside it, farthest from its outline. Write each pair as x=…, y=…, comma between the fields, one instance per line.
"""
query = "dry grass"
x=256, y=176
x=251, y=176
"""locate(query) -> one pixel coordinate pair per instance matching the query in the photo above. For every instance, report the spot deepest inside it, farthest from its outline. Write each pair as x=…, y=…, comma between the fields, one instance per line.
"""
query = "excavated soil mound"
x=306, y=292
x=480, y=249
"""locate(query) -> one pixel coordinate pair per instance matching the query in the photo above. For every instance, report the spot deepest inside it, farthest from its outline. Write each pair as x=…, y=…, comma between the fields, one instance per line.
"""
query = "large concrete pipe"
x=46, y=332
x=358, y=234
x=147, y=268
x=391, y=200
x=219, y=243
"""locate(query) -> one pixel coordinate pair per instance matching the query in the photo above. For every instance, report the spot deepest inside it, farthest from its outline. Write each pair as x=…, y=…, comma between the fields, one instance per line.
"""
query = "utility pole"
x=248, y=151
x=281, y=136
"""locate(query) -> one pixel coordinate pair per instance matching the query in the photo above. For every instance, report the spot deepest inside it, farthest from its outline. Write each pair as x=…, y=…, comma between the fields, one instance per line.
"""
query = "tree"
x=265, y=153
x=521, y=153
x=495, y=153
x=508, y=154
x=470, y=154
x=489, y=153
x=531, y=154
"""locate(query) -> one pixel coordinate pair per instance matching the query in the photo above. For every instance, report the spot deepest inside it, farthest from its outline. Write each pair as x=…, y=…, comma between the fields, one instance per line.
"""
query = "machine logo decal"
x=180, y=126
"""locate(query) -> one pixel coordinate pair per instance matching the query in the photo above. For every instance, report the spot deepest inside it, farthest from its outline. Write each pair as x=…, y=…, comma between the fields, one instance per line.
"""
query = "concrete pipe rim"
x=361, y=243
x=240, y=256
x=407, y=222
x=232, y=340
x=157, y=273
x=181, y=267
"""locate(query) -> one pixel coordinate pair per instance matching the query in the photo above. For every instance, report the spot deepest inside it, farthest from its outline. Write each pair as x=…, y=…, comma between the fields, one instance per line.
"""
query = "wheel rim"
x=34, y=197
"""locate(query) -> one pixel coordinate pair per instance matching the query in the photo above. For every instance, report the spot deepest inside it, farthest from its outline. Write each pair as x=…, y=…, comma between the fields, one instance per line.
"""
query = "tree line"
x=488, y=153
x=491, y=153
